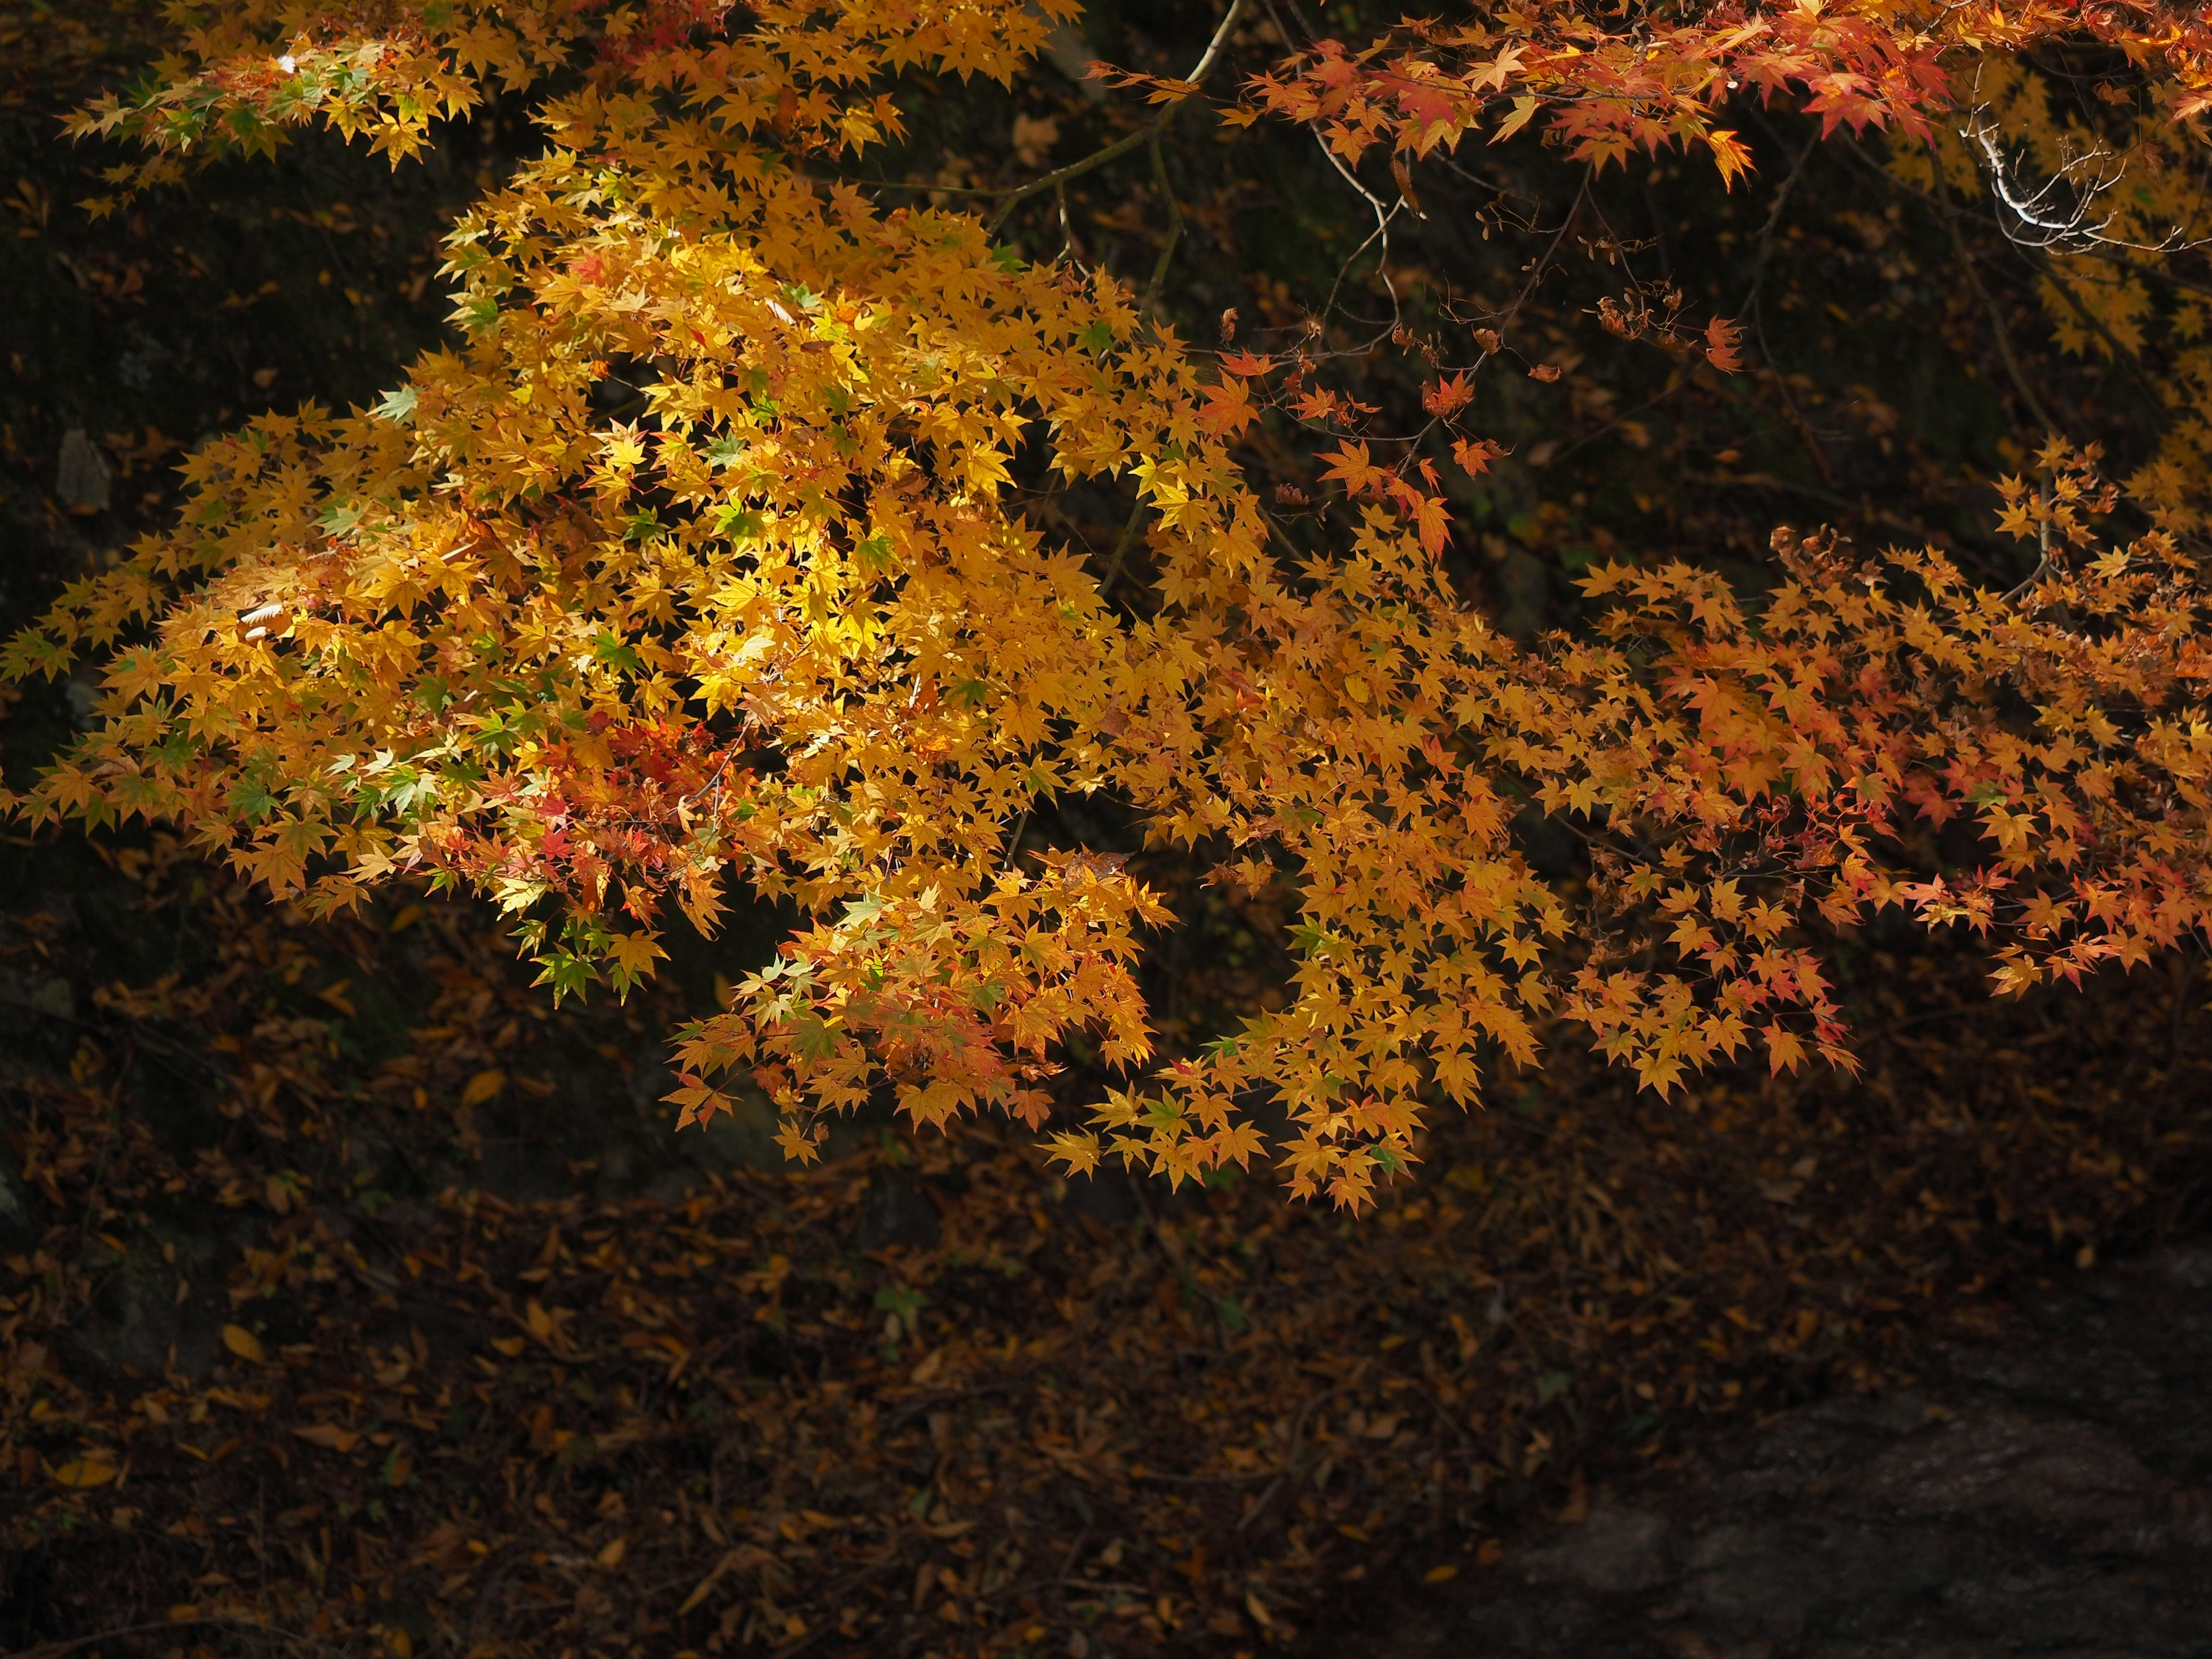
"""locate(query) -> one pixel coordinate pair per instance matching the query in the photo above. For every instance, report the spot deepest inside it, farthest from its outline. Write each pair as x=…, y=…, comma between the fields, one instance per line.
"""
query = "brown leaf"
x=23, y=1367
x=483, y=1086
x=745, y=1555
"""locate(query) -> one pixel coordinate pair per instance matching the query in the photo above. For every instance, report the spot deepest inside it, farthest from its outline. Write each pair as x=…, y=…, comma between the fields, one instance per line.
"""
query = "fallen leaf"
x=243, y=1343
x=24, y=1367
x=328, y=1435
x=744, y=1555
x=611, y=1556
x=483, y=1086
x=1441, y=1575
x=85, y=1471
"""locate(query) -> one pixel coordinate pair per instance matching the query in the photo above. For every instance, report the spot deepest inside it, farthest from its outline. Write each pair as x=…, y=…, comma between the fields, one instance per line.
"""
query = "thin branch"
x=1151, y=294
x=1543, y=260
x=1866, y=509
x=2003, y=335
x=2013, y=595
x=2036, y=222
x=1275, y=17
x=1675, y=382
x=1122, y=547
x=1382, y=231
x=1774, y=220
x=2097, y=327
x=1019, y=193
x=1298, y=1433
x=1148, y=134
x=1067, y=225
x=1752, y=304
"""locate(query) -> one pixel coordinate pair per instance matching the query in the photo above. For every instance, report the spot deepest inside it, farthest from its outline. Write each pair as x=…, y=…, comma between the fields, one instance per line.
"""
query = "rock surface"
x=2043, y=1494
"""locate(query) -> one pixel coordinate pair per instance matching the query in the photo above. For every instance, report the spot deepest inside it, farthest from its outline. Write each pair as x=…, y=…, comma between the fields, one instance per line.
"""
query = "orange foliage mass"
x=786, y=629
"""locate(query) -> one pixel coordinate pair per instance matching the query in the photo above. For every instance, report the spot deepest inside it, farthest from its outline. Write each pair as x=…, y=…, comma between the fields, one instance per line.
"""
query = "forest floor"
x=352, y=1302
x=2047, y=1492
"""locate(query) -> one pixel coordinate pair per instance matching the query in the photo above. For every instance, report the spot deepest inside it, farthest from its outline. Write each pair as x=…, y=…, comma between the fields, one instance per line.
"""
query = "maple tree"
x=709, y=557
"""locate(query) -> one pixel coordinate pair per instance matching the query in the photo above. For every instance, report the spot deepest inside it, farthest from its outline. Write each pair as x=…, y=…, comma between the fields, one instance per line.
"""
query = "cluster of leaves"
x=919, y=1398
x=1614, y=81
x=782, y=623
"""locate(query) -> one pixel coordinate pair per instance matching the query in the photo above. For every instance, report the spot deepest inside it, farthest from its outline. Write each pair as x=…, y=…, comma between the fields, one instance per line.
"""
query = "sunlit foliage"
x=693, y=566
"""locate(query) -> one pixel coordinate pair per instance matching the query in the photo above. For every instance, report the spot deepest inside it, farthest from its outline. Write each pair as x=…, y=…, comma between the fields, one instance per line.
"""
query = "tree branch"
x=1148, y=134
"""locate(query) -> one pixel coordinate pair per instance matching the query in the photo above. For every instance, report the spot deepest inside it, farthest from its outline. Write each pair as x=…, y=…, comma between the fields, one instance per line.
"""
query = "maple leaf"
x=1228, y=409
x=1349, y=462
x=632, y=957
x=1722, y=339
x=1476, y=455
x=1445, y=397
x=1432, y=522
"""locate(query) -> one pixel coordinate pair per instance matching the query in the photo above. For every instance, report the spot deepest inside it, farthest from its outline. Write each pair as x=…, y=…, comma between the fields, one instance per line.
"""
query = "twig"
x=1055, y=180
x=1298, y=1434
x=1675, y=382
x=1753, y=305
x=1067, y=225
x=1874, y=514
x=1152, y=296
x=51, y=1650
x=2089, y=319
x=1381, y=233
x=1543, y=260
x=1074, y=1551
x=1148, y=133
x=2003, y=335
x=1205, y=1479
x=1774, y=221
x=1122, y=547
x=2012, y=596
x=1445, y=1416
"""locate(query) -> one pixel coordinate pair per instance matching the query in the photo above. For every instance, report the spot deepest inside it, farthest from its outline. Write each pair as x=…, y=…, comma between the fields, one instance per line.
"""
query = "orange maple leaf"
x=1351, y=463
x=1722, y=339
x=1475, y=454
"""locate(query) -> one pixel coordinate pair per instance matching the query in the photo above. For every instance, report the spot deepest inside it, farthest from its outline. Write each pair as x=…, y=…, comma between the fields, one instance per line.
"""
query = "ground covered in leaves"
x=2046, y=1490
x=353, y=1302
